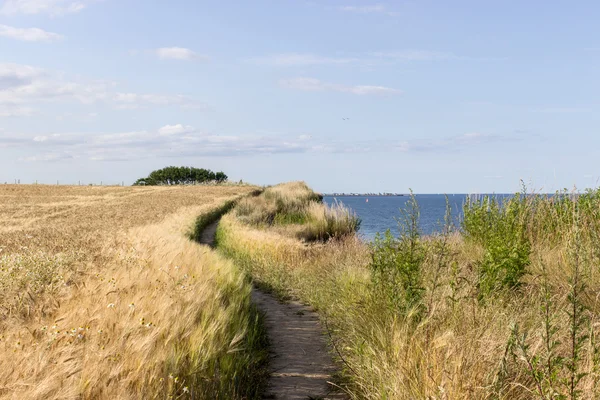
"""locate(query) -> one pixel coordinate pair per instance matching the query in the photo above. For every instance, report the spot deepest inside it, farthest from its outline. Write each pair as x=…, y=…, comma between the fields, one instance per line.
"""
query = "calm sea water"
x=381, y=212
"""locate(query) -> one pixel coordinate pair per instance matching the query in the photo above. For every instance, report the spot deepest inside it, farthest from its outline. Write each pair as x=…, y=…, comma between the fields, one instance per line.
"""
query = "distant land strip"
x=362, y=194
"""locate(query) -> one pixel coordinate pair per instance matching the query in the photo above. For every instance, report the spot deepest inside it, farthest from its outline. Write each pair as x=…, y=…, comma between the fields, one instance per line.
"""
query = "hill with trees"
x=181, y=176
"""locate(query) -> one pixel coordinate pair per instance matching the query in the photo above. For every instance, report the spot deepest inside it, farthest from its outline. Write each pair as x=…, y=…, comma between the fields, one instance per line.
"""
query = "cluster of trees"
x=181, y=176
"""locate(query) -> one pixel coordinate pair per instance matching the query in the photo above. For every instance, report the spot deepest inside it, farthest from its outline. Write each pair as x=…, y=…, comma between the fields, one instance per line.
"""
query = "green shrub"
x=501, y=228
x=396, y=265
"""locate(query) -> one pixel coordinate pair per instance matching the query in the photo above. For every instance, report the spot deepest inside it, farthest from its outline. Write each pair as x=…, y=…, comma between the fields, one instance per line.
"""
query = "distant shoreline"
x=362, y=194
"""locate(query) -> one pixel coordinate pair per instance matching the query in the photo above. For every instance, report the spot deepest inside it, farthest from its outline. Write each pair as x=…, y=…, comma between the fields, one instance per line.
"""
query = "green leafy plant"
x=396, y=264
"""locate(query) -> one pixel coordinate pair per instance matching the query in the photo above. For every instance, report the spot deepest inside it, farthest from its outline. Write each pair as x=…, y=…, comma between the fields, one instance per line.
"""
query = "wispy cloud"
x=15, y=111
x=301, y=60
x=168, y=141
x=22, y=87
x=180, y=140
x=178, y=53
x=313, y=85
x=562, y=110
x=178, y=129
x=369, y=9
x=50, y=7
x=29, y=34
x=452, y=143
x=132, y=101
x=413, y=55
x=366, y=59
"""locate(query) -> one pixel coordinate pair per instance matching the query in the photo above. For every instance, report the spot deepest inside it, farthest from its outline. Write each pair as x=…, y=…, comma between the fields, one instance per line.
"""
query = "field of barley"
x=103, y=295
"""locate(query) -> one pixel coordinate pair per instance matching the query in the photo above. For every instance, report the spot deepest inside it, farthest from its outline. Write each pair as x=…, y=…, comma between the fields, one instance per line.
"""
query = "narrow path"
x=300, y=365
x=208, y=234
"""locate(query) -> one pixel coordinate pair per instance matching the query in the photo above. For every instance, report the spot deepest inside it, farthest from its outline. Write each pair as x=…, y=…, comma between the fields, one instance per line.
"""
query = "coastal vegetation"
x=102, y=295
x=181, y=176
x=504, y=306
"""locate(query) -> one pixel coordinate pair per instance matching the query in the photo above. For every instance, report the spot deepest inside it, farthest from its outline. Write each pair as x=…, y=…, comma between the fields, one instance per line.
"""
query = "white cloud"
x=366, y=89
x=181, y=140
x=312, y=84
x=169, y=141
x=178, y=129
x=369, y=9
x=12, y=75
x=49, y=157
x=13, y=111
x=24, y=86
x=177, y=53
x=364, y=9
x=28, y=34
x=50, y=7
x=132, y=101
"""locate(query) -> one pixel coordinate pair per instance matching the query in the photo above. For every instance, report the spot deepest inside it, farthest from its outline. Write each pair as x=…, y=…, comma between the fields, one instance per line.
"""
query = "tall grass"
x=119, y=303
x=505, y=308
x=299, y=212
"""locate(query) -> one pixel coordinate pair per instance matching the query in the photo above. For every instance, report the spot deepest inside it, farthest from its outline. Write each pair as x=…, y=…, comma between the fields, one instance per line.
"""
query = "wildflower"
x=80, y=336
x=186, y=390
x=100, y=331
x=111, y=305
x=131, y=305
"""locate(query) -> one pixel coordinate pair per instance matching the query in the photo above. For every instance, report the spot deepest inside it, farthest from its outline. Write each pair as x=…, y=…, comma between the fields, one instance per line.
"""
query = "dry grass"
x=293, y=209
x=103, y=296
x=452, y=344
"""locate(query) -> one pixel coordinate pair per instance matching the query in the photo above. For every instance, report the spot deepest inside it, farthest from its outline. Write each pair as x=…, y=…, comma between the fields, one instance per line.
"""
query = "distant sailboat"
x=367, y=201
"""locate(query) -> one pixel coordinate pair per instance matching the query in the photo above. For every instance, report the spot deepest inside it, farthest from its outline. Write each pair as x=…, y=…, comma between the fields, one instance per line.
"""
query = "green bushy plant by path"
x=501, y=229
x=396, y=264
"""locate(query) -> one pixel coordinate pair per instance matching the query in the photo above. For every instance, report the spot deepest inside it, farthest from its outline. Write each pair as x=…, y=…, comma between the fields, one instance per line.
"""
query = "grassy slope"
x=104, y=296
x=509, y=310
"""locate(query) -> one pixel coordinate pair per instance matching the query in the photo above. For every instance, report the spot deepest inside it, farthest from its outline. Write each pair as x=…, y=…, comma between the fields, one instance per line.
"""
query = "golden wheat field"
x=102, y=295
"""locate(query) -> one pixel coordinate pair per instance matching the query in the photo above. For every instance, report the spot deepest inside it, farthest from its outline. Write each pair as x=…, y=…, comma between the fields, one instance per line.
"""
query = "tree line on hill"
x=181, y=176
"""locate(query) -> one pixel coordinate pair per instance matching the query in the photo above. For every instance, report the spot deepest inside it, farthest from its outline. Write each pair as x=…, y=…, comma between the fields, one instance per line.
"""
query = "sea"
x=380, y=213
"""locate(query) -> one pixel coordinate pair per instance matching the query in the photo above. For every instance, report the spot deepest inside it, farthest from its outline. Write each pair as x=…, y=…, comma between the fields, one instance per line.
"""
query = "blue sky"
x=440, y=97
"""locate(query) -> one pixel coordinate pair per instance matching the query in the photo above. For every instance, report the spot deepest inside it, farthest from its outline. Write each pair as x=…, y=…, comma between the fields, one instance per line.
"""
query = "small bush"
x=501, y=229
x=396, y=264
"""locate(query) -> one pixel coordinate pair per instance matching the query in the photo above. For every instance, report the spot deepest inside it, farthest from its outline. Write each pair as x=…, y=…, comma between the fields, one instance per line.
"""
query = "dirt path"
x=300, y=365
x=208, y=234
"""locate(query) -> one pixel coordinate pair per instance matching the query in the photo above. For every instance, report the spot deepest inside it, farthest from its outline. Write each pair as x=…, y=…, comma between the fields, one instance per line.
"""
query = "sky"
x=349, y=96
